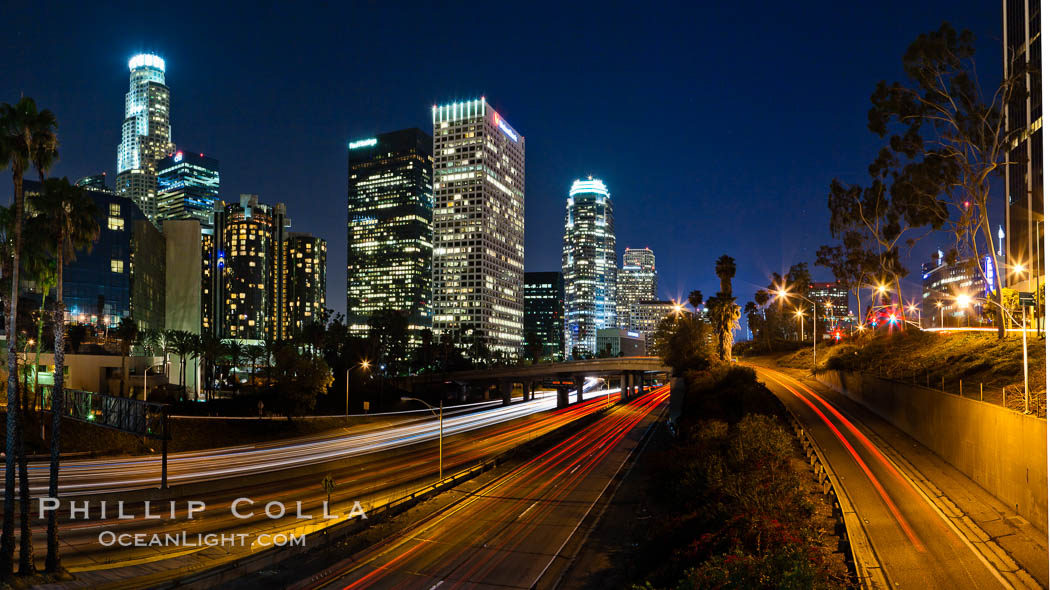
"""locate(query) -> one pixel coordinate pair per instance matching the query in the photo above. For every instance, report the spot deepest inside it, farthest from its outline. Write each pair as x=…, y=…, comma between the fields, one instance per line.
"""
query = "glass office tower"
x=188, y=186
x=589, y=266
x=145, y=134
x=390, y=208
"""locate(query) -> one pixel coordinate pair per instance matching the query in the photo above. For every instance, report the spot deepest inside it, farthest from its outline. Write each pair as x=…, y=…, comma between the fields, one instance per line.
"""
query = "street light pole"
x=348, y=393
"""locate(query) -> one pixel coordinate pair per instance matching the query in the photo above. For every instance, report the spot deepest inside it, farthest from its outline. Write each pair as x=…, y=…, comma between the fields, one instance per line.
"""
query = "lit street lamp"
x=782, y=293
x=441, y=430
x=364, y=367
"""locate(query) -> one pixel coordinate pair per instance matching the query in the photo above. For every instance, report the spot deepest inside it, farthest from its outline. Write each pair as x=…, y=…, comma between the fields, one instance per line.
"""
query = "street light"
x=782, y=293
x=940, y=306
x=913, y=308
x=966, y=300
x=364, y=367
x=441, y=430
x=801, y=329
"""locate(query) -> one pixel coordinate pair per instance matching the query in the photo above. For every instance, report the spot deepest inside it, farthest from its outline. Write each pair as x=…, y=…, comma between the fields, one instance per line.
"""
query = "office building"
x=479, y=225
x=96, y=182
x=145, y=134
x=544, y=316
x=122, y=274
x=646, y=316
x=589, y=264
x=187, y=187
x=944, y=280
x=832, y=302
x=243, y=264
x=304, y=279
x=390, y=210
x=185, y=287
x=1024, y=117
x=635, y=281
x=614, y=342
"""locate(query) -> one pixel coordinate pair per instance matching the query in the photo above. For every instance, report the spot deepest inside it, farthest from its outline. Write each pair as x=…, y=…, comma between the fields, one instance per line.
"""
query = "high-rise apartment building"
x=390, y=210
x=246, y=293
x=187, y=187
x=479, y=224
x=146, y=133
x=304, y=279
x=1024, y=116
x=636, y=281
x=589, y=264
x=544, y=315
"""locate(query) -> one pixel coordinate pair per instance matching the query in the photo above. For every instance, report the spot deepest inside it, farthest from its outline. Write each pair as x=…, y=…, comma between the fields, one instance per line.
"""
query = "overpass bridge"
x=631, y=372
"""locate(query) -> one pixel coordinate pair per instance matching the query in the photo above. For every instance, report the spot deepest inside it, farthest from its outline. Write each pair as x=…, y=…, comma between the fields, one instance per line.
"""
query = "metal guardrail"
x=125, y=414
x=861, y=555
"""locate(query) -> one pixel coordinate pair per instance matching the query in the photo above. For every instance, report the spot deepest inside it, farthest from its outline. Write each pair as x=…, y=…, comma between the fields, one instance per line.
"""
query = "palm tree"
x=27, y=138
x=253, y=353
x=234, y=352
x=39, y=264
x=127, y=332
x=751, y=311
x=151, y=341
x=69, y=220
x=696, y=299
x=210, y=351
x=725, y=268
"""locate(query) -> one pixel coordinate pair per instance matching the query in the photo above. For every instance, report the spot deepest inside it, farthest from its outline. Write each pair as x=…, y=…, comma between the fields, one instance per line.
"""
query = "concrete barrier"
x=1004, y=451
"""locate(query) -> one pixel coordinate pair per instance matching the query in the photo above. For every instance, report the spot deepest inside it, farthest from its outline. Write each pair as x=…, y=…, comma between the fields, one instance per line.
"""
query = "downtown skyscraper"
x=390, y=209
x=145, y=134
x=1024, y=117
x=479, y=225
x=635, y=282
x=589, y=265
x=187, y=187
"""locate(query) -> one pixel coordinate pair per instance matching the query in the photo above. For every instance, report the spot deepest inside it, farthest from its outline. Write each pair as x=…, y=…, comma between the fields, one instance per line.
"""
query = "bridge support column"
x=638, y=378
x=563, y=396
x=506, y=386
x=625, y=384
x=530, y=393
x=462, y=392
x=580, y=380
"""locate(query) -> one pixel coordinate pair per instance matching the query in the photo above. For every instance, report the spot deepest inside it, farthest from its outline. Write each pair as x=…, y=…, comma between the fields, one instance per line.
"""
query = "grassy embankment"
x=734, y=503
x=974, y=358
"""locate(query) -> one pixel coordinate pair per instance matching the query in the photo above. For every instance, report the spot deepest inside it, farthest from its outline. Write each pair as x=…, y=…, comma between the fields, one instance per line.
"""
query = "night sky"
x=717, y=128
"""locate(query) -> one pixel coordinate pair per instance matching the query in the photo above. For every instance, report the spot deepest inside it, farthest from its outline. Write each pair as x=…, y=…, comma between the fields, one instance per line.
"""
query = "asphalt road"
x=384, y=464
x=508, y=533
x=913, y=539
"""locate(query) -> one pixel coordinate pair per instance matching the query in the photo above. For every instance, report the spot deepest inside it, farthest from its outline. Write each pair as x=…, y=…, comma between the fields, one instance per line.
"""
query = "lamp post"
x=441, y=430
x=145, y=371
x=782, y=294
x=364, y=367
x=966, y=300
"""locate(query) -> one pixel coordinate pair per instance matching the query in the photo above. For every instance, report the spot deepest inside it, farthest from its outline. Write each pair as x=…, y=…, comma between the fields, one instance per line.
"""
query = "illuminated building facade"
x=479, y=225
x=1024, y=116
x=944, y=280
x=304, y=268
x=837, y=296
x=646, y=316
x=123, y=274
x=146, y=133
x=96, y=182
x=187, y=187
x=636, y=281
x=245, y=268
x=545, y=315
x=588, y=262
x=390, y=209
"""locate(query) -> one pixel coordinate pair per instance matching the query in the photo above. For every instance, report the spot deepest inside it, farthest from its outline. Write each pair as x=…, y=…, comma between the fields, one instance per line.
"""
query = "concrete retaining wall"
x=1002, y=450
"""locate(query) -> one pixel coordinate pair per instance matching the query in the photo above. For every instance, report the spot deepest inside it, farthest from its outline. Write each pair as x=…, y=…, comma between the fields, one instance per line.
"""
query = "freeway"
x=920, y=540
x=370, y=468
x=100, y=476
x=510, y=532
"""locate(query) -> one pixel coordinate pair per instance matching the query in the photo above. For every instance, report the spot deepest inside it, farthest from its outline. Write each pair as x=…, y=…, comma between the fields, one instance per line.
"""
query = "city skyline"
x=215, y=109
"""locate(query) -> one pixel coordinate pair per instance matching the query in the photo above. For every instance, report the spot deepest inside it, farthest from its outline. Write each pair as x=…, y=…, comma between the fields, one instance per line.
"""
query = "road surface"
x=510, y=532
x=914, y=539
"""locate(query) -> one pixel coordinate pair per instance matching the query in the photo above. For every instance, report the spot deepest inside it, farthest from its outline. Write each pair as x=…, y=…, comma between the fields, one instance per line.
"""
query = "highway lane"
x=98, y=476
x=509, y=532
x=913, y=540
x=372, y=479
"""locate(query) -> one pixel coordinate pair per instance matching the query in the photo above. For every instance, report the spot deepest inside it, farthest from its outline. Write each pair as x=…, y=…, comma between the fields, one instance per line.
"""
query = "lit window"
x=114, y=208
x=116, y=265
x=116, y=223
